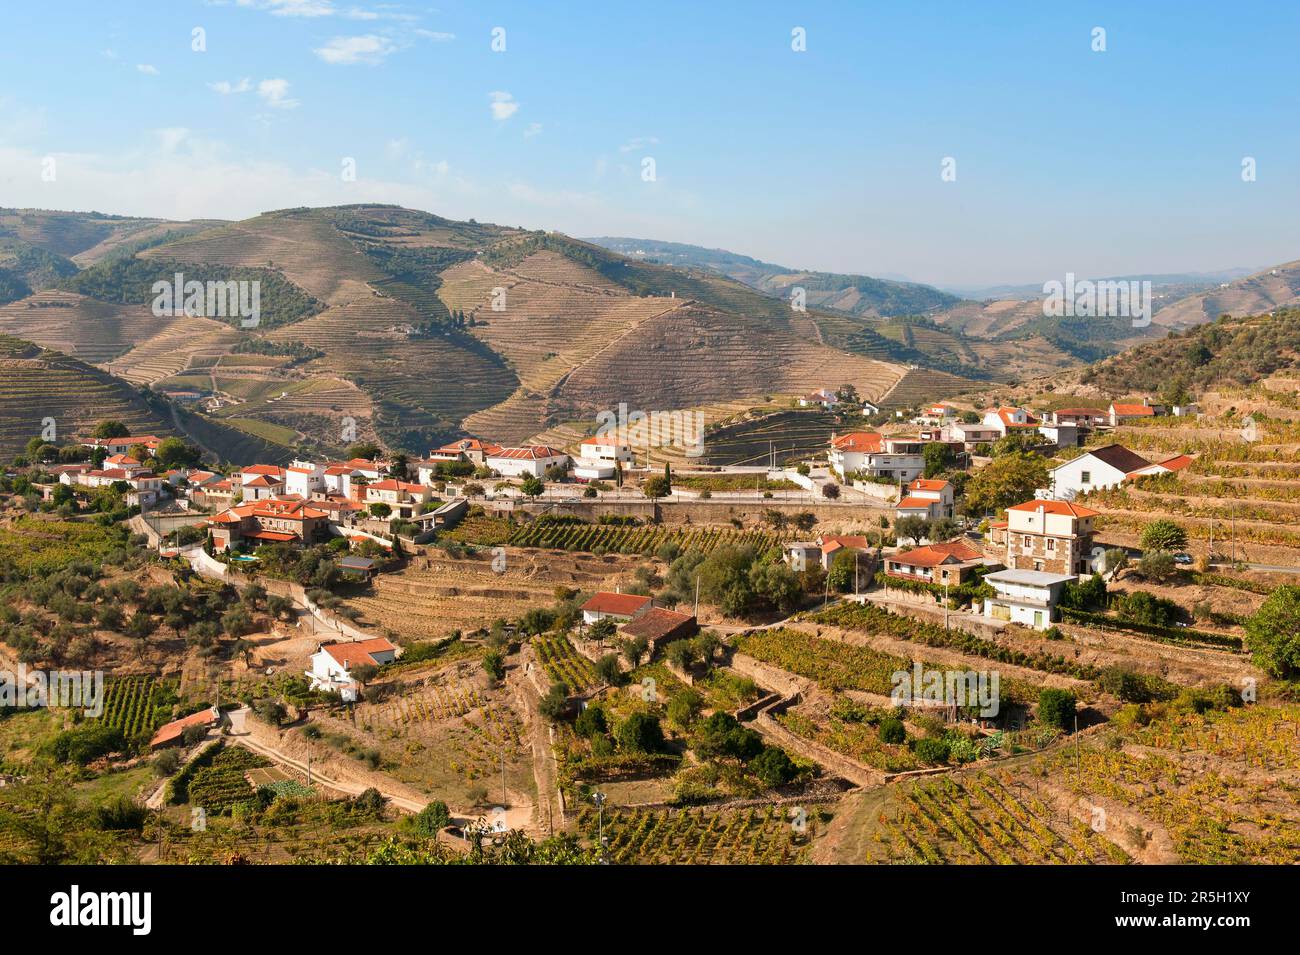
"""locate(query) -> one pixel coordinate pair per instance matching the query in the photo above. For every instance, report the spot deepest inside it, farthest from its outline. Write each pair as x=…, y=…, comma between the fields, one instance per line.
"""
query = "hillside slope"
x=1262, y=292
x=390, y=323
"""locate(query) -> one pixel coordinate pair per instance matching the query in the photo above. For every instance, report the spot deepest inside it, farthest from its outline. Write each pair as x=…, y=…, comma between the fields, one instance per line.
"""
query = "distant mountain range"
x=859, y=295
x=396, y=324
x=1160, y=282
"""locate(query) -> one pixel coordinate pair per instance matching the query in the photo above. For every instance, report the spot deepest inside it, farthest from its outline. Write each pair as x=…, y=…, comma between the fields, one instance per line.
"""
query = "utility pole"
x=599, y=799
x=504, y=798
x=945, y=605
x=695, y=610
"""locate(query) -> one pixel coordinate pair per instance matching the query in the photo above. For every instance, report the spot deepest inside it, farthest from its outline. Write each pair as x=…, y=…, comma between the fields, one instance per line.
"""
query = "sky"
x=951, y=143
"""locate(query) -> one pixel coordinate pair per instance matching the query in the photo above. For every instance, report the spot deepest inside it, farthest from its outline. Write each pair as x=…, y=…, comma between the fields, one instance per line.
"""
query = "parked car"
x=1182, y=558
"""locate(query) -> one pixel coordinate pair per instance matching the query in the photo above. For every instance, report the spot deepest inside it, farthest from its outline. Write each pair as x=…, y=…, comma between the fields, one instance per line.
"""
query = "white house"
x=896, y=457
x=1061, y=435
x=801, y=555
x=304, y=478
x=332, y=664
x=1009, y=421
x=1130, y=412
x=606, y=448
x=927, y=498
x=529, y=461
x=261, y=482
x=971, y=434
x=403, y=497
x=1025, y=596
x=621, y=607
x=338, y=479
x=821, y=398
x=1098, y=469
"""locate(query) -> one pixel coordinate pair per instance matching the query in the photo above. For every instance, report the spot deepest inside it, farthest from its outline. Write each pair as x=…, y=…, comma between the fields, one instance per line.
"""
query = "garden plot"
x=447, y=740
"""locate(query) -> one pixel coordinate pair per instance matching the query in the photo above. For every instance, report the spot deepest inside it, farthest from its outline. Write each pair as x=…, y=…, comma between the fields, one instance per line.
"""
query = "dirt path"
x=549, y=814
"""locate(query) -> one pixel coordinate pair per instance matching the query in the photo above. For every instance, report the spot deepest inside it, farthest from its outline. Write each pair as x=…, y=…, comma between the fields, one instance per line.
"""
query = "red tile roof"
x=953, y=552
x=1177, y=463
x=833, y=542
x=1055, y=507
x=657, y=623
x=358, y=652
x=271, y=470
x=465, y=444
x=530, y=453
x=175, y=728
x=1133, y=411
x=914, y=503
x=275, y=537
x=623, y=604
x=264, y=480
x=927, y=484
x=864, y=441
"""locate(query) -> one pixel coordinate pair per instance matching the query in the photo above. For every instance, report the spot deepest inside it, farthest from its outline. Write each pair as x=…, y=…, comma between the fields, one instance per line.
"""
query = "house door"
x=1038, y=620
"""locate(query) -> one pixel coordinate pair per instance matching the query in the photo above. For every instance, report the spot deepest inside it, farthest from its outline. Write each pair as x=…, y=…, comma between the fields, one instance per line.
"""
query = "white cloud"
x=435, y=35
x=292, y=8
x=503, y=104
x=147, y=68
x=369, y=48
x=226, y=88
x=637, y=143
x=275, y=93
x=534, y=129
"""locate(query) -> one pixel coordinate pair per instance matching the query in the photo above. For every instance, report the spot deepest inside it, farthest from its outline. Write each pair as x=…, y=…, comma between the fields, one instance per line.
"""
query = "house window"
x=1028, y=541
x=1051, y=543
x=1086, y=477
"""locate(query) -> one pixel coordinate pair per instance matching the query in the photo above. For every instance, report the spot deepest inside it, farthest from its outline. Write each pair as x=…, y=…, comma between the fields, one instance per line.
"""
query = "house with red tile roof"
x=403, y=497
x=1120, y=412
x=172, y=733
x=617, y=606
x=332, y=664
x=1168, y=466
x=660, y=627
x=1009, y=421
x=532, y=460
x=1050, y=536
x=149, y=442
x=821, y=398
x=950, y=563
x=273, y=521
x=464, y=449
x=927, y=498
x=896, y=457
x=1096, y=469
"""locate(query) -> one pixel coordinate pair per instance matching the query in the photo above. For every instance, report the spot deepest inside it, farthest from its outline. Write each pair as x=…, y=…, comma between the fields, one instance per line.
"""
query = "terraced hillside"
x=695, y=354
x=71, y=234
x=1261, y=292
x=36, y=384
x=306, y=248
x=391, y=311
x=183, y=340
x=86, y=328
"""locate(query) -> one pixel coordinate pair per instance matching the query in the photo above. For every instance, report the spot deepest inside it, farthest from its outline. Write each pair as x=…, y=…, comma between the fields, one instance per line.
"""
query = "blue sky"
x=1122, y=161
